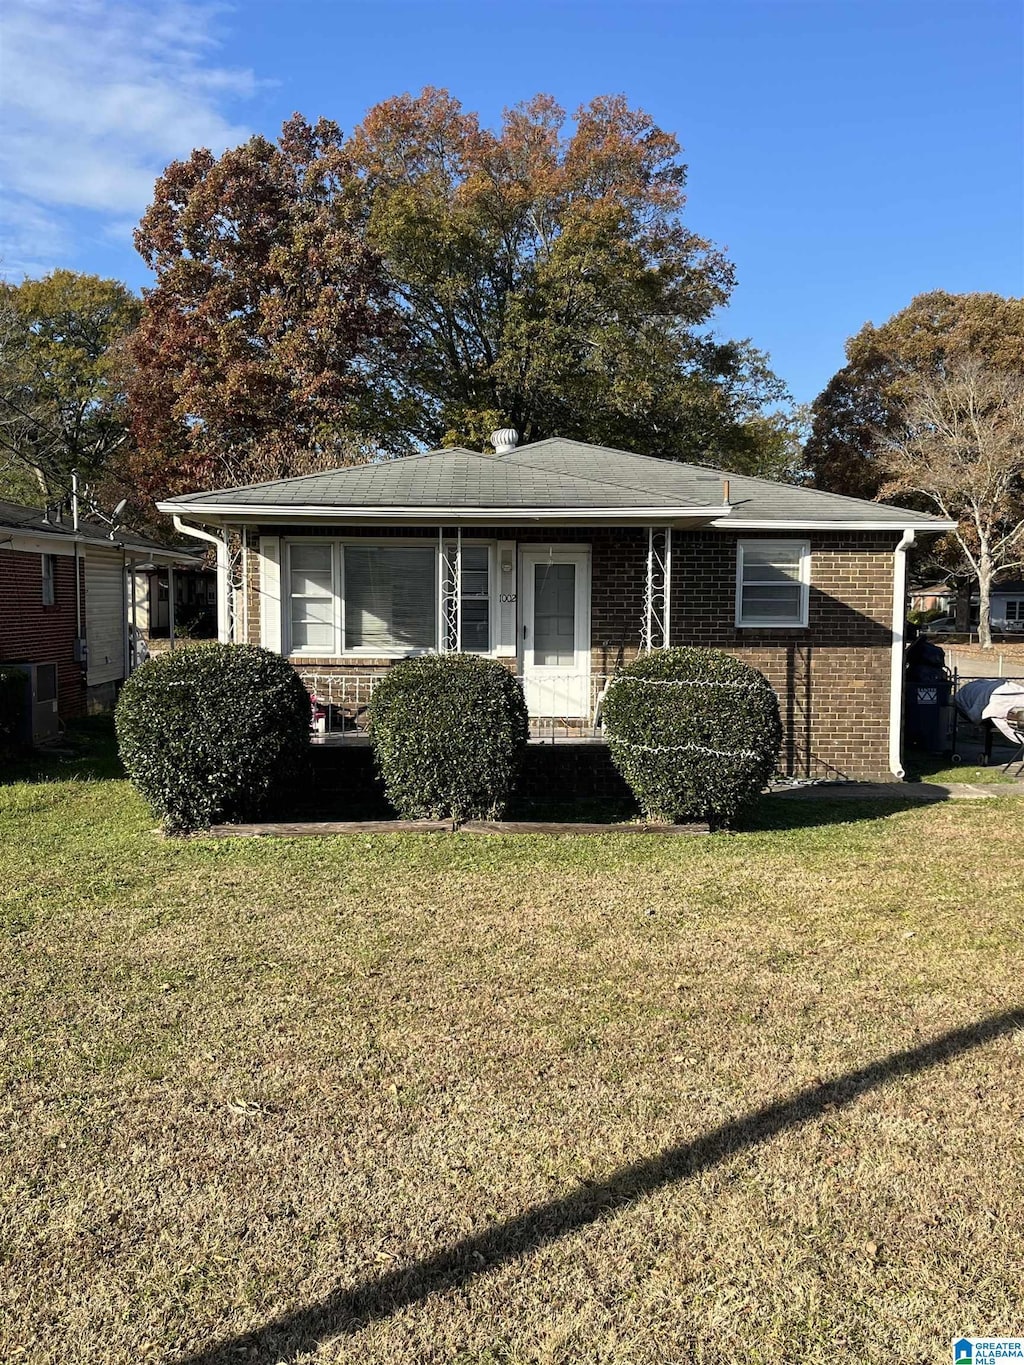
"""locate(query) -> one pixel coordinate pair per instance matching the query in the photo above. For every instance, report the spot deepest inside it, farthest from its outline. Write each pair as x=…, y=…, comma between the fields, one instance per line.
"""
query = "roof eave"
x=908, y=523
x=218, y=513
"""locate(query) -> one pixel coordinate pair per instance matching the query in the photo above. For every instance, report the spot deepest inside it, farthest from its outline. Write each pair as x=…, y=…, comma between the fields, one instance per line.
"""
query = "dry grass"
x=242, y=1077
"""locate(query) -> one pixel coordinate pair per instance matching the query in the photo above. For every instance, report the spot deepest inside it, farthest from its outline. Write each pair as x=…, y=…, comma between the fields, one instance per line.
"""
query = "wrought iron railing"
x=567, y=705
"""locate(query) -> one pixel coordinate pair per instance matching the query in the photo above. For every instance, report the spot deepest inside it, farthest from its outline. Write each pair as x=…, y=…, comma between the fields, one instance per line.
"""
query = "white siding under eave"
x=104, y=615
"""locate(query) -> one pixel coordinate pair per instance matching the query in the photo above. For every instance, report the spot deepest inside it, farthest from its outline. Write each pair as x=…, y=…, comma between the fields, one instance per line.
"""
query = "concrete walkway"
x=900, y=791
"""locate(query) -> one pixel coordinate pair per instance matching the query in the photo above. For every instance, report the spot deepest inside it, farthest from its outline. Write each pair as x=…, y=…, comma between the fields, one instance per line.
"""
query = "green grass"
x=239, y=1077
x=923, y=767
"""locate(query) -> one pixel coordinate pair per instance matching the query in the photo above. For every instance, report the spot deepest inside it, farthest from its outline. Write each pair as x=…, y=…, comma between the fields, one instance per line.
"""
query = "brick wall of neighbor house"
x=32, y=633
x=832, y=678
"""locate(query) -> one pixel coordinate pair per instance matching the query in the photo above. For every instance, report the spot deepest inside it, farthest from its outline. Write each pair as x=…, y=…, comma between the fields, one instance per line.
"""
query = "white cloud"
x=96, y=97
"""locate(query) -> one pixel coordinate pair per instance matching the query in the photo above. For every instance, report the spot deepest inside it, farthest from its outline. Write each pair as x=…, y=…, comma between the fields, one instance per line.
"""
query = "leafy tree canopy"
x=261, y=351
x=863, y=408
x=549, y=282
x=62, y=402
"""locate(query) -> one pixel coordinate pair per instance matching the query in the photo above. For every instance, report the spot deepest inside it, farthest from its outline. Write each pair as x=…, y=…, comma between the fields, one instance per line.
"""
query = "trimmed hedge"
x=213, y=734
x=448, y=733
x=695, y=733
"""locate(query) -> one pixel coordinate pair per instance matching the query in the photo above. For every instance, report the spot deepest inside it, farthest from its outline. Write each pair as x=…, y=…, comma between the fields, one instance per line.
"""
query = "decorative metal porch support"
x=450, y=592
x=657, y=623
x=232, y=606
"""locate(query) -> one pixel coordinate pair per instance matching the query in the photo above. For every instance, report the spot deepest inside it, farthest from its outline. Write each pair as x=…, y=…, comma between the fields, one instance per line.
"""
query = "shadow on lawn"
x=87, y=749
x=824, y=807
x=348, y=1310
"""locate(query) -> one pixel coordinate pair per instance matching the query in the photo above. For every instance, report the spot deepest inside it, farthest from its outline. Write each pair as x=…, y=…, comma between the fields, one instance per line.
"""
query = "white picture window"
x=390, y=594
x=49, y=579
x=312, y=597
x=772, y=583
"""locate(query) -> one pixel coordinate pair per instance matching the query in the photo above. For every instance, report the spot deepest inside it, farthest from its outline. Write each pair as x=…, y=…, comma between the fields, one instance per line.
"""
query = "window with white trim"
x=476, y=599
x=49, y=579
x=772, y=582
x=1014, y=609
x=312, y=597
x=347, y=597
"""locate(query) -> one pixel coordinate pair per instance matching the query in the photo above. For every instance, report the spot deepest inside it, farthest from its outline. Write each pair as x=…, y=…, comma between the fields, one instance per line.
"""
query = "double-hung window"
x=772, y=582
x=49, y=579
x=312, y=597
x=1015, y=609
x=476, y=599
x=373, y=598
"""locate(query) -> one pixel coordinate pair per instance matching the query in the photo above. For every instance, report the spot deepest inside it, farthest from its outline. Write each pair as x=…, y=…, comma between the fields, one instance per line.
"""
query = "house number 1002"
x=507, y=597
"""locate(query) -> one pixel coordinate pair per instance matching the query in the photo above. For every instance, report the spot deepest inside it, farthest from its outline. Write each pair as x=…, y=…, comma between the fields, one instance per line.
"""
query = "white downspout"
x=223, y=606
x=899, y=615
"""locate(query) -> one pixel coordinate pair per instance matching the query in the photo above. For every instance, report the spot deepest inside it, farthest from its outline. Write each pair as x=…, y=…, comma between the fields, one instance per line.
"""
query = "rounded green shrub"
x=213, y=734
x=694, y=732
x=448, y=733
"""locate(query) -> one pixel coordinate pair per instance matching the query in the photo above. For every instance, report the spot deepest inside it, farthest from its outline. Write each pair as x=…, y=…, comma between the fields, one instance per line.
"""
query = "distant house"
x=1007, y=605
x=65, y=602
x=565, y=561
x=195, y=601
x=935, y=597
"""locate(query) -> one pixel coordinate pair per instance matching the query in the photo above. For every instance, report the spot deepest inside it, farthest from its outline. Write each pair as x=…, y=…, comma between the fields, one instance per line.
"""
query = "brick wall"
x=33, y=633
x=832, y=677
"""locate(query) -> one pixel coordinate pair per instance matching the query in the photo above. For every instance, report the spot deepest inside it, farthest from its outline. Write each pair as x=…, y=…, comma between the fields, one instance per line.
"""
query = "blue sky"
x=848, y=154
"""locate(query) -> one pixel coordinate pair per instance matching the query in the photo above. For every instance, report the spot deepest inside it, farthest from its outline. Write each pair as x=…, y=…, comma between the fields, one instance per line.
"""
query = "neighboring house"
x=195, y=601
x=937, y=597
x=1007, y=606
x=65, y=602
x=565, y=561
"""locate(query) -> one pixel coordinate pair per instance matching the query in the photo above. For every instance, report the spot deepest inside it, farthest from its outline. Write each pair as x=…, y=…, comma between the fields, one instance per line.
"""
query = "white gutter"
x=223, y=614
x=805, y=524
x=899, y=614
x=433, y=516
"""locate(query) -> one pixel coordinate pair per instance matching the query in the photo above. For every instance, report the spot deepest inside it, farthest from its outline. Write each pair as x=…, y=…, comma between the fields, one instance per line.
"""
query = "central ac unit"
x=40, y=699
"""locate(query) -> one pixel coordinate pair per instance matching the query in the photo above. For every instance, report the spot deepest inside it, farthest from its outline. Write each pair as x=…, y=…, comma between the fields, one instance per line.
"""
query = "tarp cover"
x=992, y=699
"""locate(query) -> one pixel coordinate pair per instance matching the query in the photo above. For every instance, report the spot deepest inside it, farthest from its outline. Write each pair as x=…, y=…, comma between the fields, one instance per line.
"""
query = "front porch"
x=341, y=705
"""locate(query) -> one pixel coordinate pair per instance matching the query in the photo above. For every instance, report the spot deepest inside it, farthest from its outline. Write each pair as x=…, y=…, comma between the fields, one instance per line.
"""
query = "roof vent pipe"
x=505, y=440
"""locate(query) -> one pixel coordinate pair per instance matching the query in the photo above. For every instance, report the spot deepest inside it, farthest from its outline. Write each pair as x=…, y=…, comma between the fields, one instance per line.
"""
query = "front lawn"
x=517, y=1101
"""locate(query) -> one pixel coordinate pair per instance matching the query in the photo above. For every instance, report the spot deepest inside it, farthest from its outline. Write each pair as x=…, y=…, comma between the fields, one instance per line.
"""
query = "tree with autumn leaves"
x=265, y=345
x=426, y=280
x=929, y=409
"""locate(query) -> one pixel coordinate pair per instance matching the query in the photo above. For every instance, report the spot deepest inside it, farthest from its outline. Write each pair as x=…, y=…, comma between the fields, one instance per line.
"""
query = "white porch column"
x=134, y=656
x=170, y=606
x=223, y=589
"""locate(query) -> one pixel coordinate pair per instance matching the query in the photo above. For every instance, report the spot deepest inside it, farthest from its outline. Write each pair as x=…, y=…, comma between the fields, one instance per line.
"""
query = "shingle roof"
x=553, y=474
x=14, y=516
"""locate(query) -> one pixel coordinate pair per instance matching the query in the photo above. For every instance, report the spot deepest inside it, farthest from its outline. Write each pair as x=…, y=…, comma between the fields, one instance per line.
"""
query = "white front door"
x=556, y=630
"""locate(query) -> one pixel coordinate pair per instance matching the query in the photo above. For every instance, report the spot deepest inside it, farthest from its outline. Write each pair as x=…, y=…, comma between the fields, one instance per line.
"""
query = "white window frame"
x=48, y=569
x=491, y=546
x=337, y=544
x=798, y=622
x=286, y=597
x=1017, y=603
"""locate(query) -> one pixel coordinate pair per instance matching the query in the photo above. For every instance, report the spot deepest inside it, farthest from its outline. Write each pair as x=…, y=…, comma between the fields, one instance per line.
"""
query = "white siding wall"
x=104, y=615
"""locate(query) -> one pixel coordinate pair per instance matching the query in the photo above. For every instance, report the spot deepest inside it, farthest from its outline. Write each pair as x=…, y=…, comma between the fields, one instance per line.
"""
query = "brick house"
x=566, y=560
x=65, y=601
